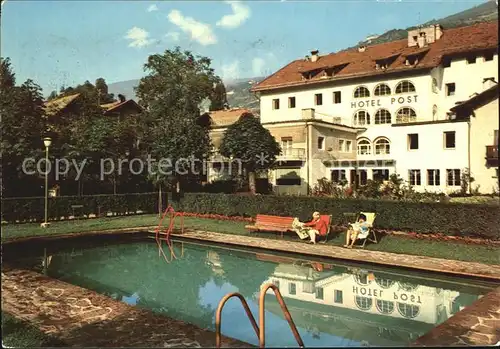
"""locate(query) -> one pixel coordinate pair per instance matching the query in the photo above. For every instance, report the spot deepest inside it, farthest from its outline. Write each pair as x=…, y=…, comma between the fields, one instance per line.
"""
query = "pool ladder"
x=260, y=329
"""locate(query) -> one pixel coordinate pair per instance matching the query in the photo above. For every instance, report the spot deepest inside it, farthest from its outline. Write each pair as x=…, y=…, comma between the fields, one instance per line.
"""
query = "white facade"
x=427, y=96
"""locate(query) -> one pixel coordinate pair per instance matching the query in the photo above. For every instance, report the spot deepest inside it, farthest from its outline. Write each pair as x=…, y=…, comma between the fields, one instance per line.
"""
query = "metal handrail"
x=288, y=317
x=260, y=330
x=218, y=316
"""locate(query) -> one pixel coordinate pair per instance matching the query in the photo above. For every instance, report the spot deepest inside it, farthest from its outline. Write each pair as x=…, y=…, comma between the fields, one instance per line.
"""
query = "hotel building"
x=425, y=107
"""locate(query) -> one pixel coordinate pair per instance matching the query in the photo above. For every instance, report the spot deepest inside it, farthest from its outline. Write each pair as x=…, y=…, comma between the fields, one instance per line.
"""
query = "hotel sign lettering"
x=378, y=102
x=397, y=296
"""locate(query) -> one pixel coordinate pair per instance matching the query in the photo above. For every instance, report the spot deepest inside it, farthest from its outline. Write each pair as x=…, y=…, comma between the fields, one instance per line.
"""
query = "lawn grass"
x=394, y=244
x=19, y=334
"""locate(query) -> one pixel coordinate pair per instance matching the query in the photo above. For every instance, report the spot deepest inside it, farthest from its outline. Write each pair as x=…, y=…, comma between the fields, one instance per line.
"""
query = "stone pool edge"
x=477, y=324
x=421, y=263
x=82, y=317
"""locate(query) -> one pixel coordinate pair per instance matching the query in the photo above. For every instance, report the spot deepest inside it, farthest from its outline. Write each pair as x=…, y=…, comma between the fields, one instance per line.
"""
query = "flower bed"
x=218, y=217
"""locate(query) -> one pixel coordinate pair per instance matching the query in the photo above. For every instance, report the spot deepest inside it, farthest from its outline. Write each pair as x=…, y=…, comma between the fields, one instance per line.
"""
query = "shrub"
x=26, y=209
x=436, y=217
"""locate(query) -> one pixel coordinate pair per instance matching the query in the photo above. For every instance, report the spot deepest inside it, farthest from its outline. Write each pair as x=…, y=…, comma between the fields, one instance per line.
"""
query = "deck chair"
x=372, y=236
x=328, y=219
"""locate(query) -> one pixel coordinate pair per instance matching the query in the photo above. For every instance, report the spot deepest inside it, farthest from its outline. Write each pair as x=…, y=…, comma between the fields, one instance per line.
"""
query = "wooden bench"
x=272, y=223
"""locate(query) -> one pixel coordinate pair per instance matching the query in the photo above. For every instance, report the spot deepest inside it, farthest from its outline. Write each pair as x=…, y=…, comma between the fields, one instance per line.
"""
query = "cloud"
x=199, y=31
x=139, y=37
x=152, y=8
x=174, y=36
x=240, y=14
x=231, y=71
x=261, y=66
x=258, y=66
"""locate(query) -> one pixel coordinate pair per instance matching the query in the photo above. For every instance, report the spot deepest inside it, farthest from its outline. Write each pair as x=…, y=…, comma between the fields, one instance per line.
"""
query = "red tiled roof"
x=458, y=40
x=227, y=117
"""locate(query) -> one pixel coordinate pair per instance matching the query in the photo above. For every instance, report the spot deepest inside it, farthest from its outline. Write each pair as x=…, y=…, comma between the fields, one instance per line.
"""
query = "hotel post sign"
x=411, y=99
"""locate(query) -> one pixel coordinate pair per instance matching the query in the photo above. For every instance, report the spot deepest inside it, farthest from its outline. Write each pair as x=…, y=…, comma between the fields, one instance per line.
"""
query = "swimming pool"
x=331, y=304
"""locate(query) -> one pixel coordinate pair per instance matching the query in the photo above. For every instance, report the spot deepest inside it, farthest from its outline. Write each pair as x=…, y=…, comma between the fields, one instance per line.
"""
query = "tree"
x=22, y=129
x=53, y=95
x=171, y=93
x=218, y=98
x=102, y=90
x=249, y=142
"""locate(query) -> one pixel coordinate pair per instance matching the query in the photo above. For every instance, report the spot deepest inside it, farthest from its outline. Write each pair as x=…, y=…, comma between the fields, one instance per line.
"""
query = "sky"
x=64, y=43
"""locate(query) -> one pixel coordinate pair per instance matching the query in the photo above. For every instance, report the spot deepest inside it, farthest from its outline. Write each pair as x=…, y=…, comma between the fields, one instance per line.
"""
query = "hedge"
x=471, y=220
x=467, y=220
x=26, y=209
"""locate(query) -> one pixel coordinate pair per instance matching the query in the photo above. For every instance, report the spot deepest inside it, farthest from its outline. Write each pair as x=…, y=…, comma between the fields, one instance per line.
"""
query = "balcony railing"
x=492, y=152
x=405, y=119
x=292, y=154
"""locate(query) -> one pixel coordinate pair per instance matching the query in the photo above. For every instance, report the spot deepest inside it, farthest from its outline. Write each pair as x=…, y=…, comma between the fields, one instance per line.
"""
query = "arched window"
x=382, y=146
x=382, y=90
x=361, y=118
x=408, y=311
x=406, y=286
x=363, y=303
x=383, y=116
x=385, y=307
x=434, y=85
x=384, y=283
x=361, y=92
x=361, y=279
x=434, y=111
x=364, y=147
x=406, y=114
x=405, y=87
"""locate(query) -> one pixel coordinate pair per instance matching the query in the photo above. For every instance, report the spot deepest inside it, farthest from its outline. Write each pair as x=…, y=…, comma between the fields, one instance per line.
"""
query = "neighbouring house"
x=481, y=114
x=66, y=104
x=219, y=167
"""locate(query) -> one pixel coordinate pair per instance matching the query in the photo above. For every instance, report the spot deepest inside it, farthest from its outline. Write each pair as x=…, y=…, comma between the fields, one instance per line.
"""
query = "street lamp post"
x=47, y=141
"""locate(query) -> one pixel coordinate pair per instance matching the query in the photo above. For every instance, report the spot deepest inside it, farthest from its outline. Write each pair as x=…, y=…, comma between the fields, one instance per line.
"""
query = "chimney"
x=314, y=55
x=488, y=83
x=307, y=58
x=421, y=40
x=438, y=30
x=362, y=48
x=308, y=114
x=121, y=98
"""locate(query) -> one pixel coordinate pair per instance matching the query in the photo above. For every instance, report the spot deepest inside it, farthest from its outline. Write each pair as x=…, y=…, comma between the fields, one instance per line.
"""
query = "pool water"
x=331, y=305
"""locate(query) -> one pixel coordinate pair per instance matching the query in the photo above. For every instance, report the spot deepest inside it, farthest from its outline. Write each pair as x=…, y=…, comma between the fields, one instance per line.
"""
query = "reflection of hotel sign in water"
x=383, y=101
x=379, y=293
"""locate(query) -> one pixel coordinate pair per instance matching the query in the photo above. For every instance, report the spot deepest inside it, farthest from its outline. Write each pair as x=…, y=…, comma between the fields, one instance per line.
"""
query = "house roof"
x=56, y=105
x=477, y=37
x=113, y=107
x=223, y=118
x=478, y=99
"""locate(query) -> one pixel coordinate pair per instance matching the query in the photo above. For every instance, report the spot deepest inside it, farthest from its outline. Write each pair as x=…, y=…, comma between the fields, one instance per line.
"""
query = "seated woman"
x=317, y=227
x=358, y=230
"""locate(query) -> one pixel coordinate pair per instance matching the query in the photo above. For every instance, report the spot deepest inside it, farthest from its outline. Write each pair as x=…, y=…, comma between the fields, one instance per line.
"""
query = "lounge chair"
x=328, y=220
x=371, y=235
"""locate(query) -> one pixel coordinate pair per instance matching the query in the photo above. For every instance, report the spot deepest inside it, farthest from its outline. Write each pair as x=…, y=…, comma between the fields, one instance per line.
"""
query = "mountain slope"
x=238, y=92
x=482, y=13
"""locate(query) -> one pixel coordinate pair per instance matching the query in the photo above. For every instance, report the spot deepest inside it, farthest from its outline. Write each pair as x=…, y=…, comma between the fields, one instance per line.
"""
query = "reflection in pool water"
x=330, y=304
